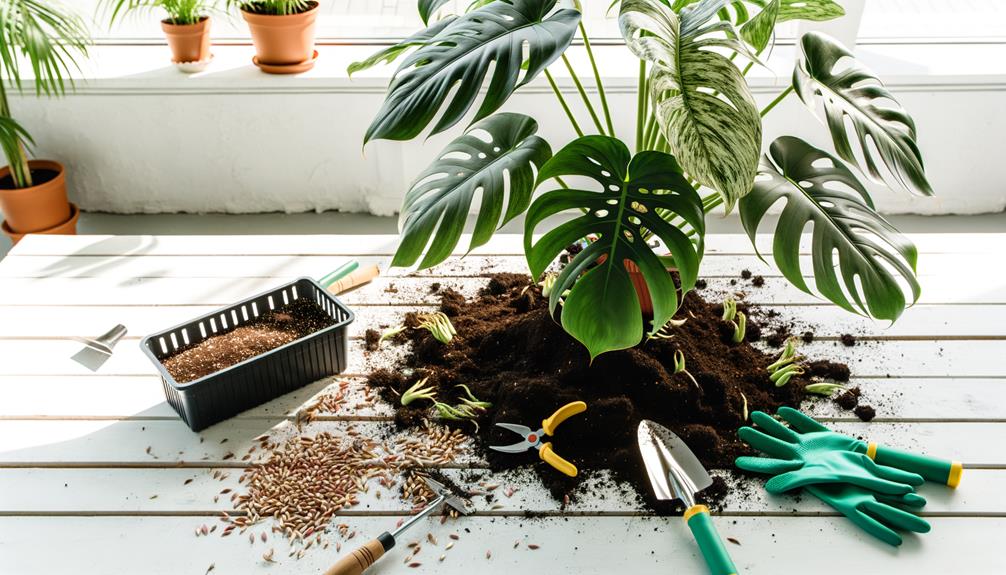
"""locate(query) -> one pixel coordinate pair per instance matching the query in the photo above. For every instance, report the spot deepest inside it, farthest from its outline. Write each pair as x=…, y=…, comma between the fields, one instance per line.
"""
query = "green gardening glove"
x=817, y=457
x=876, y=514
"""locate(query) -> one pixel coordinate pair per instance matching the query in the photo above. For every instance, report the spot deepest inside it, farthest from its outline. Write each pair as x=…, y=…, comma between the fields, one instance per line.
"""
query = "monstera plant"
x=697, y=148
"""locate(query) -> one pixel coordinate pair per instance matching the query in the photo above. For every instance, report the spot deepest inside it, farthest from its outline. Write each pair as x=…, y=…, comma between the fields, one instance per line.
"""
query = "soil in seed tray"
x=272, y=329
x=510, y=351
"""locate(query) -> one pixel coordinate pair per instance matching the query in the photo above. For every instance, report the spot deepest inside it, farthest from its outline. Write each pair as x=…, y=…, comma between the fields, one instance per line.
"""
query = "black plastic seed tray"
x=215, y=397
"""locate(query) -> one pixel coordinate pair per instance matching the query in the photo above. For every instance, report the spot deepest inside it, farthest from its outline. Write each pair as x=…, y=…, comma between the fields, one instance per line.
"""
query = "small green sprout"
x=729, y=309
x=665, y=330
x=783, y=375
x=548, y=283
x=419, y=391
x=453, y=413
x=472, y=401
x=745, y=406
x=740, y=327
x=825, y=389
x=390, y=333
x=787, y=356
x=679, y=366
x=439, y=325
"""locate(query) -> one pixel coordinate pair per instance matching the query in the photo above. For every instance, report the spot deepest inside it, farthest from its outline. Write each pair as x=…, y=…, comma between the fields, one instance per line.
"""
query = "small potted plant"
x=187, y=27
x=48, y=38
x=282, y=32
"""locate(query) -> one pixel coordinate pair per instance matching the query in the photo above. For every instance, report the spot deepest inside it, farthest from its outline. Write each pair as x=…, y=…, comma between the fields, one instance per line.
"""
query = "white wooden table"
x=77, y=487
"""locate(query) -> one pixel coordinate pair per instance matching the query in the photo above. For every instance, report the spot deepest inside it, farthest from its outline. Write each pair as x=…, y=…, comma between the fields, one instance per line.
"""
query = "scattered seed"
x=187, y=481
x=489, y=554
x=211, y=567
x=153, y=497
x=516, y=543
x=263, y=537
x=442, y=557
x=454, y=536
x=206, y=530
x=251, y=538
x=267, y=556
x=431, y=538
x=414, y=565
x=734, y=541
x=449, y=545
x=532, y=546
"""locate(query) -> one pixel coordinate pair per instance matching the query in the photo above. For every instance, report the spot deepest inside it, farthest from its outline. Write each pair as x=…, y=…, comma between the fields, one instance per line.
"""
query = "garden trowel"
x=675, y=473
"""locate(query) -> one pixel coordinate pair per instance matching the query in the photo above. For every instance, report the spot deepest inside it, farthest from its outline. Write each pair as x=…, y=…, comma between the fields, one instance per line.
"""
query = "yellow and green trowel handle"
x=932, y=469
x=715, y=553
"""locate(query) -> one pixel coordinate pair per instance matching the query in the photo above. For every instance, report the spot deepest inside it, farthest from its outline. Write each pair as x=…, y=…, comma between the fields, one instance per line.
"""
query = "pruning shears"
x=534, y=438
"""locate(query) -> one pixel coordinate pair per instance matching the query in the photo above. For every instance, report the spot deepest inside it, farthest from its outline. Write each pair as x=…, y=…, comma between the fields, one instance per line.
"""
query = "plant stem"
x=20, y=172
x=583, y=95
x=597, y=80
x=565, y=106
x=641, y=107
x=778, y=99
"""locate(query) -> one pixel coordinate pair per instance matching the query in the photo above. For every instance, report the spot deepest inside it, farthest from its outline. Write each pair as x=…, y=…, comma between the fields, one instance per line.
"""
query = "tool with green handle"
x=808, y=452
x=675, y=473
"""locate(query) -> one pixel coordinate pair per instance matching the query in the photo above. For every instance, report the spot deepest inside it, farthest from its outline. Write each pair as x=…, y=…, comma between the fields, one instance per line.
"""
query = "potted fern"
x=187, y=26
x=48, y=38
x=283, y=33
x=697, y=149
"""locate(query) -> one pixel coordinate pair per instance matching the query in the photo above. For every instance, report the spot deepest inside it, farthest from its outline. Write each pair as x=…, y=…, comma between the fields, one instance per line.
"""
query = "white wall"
x=138, y=136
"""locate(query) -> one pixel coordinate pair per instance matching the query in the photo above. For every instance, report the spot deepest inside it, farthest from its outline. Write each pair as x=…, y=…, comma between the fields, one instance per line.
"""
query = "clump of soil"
x=865, y=412
x=371, y=340
x=272, y=329
x=509, y=351
x=758, y=281
x=849, y=398
x=848, y=340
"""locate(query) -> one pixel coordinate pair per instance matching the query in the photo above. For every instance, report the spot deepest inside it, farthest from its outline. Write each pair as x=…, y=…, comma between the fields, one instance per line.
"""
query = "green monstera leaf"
x=701, y=101
x=428, y=7
x=758, y=30
x=391, y=53
x=818, y=189
x=847, y=90
x=441, y=197
x=516, y=39
x=602, y=309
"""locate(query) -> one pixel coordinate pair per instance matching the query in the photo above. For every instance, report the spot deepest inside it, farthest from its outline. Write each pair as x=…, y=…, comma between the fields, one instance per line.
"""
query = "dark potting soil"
x=371, y=340
x=865, y=412
x=38, y=177
x=272, y=329
x=849, y=398
x=510, y=352
x=848, y=340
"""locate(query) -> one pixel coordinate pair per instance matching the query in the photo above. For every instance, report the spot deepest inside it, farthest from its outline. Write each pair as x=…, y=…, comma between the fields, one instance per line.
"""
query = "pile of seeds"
x=306, y=480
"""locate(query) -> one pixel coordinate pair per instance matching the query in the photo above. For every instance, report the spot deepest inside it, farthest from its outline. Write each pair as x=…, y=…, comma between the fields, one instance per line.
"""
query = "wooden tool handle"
x=359, y=560
x=357, y=278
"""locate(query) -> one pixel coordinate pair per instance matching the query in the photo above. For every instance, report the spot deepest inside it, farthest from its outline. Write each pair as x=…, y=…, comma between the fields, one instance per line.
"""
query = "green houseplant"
x=43, y=39
x=187, y=25
x=697, y=128
x=283, y=33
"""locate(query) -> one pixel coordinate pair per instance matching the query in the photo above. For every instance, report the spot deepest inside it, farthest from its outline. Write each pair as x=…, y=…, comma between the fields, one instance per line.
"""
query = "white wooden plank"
x=284, y=267
x=68, y=397
x=170, y=441
x=888, y=358
x=125, y=441
x=110, y=491
x=826, y=320
x=399, y=291
x=375, y=244
x=588, y=545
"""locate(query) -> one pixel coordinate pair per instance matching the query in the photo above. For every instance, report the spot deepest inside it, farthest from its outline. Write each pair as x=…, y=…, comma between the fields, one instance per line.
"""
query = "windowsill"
x=121, y=69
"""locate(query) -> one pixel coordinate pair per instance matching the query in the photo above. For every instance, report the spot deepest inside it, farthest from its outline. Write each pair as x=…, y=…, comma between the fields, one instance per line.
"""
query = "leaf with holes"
x=602, y=309
x=391, y=53
x=758, y=30
x=501, y=147
x=701, y=101
x=828, y=72
x=516, y=39
x=819, y=189
x=428, y=7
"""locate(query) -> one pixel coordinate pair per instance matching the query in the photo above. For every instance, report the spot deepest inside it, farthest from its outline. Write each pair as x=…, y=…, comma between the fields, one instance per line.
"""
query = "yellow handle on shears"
x=560, y=415
x=552, y=458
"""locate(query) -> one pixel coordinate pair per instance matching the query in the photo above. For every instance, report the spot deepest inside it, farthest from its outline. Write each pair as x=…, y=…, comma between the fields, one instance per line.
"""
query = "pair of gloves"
x=871, y=485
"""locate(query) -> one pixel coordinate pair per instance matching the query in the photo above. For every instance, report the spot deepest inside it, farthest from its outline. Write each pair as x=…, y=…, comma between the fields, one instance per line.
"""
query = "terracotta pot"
x=39, y=207
x=188, y=42
x=67, y=228
x=283, y=40
x=639, y=284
